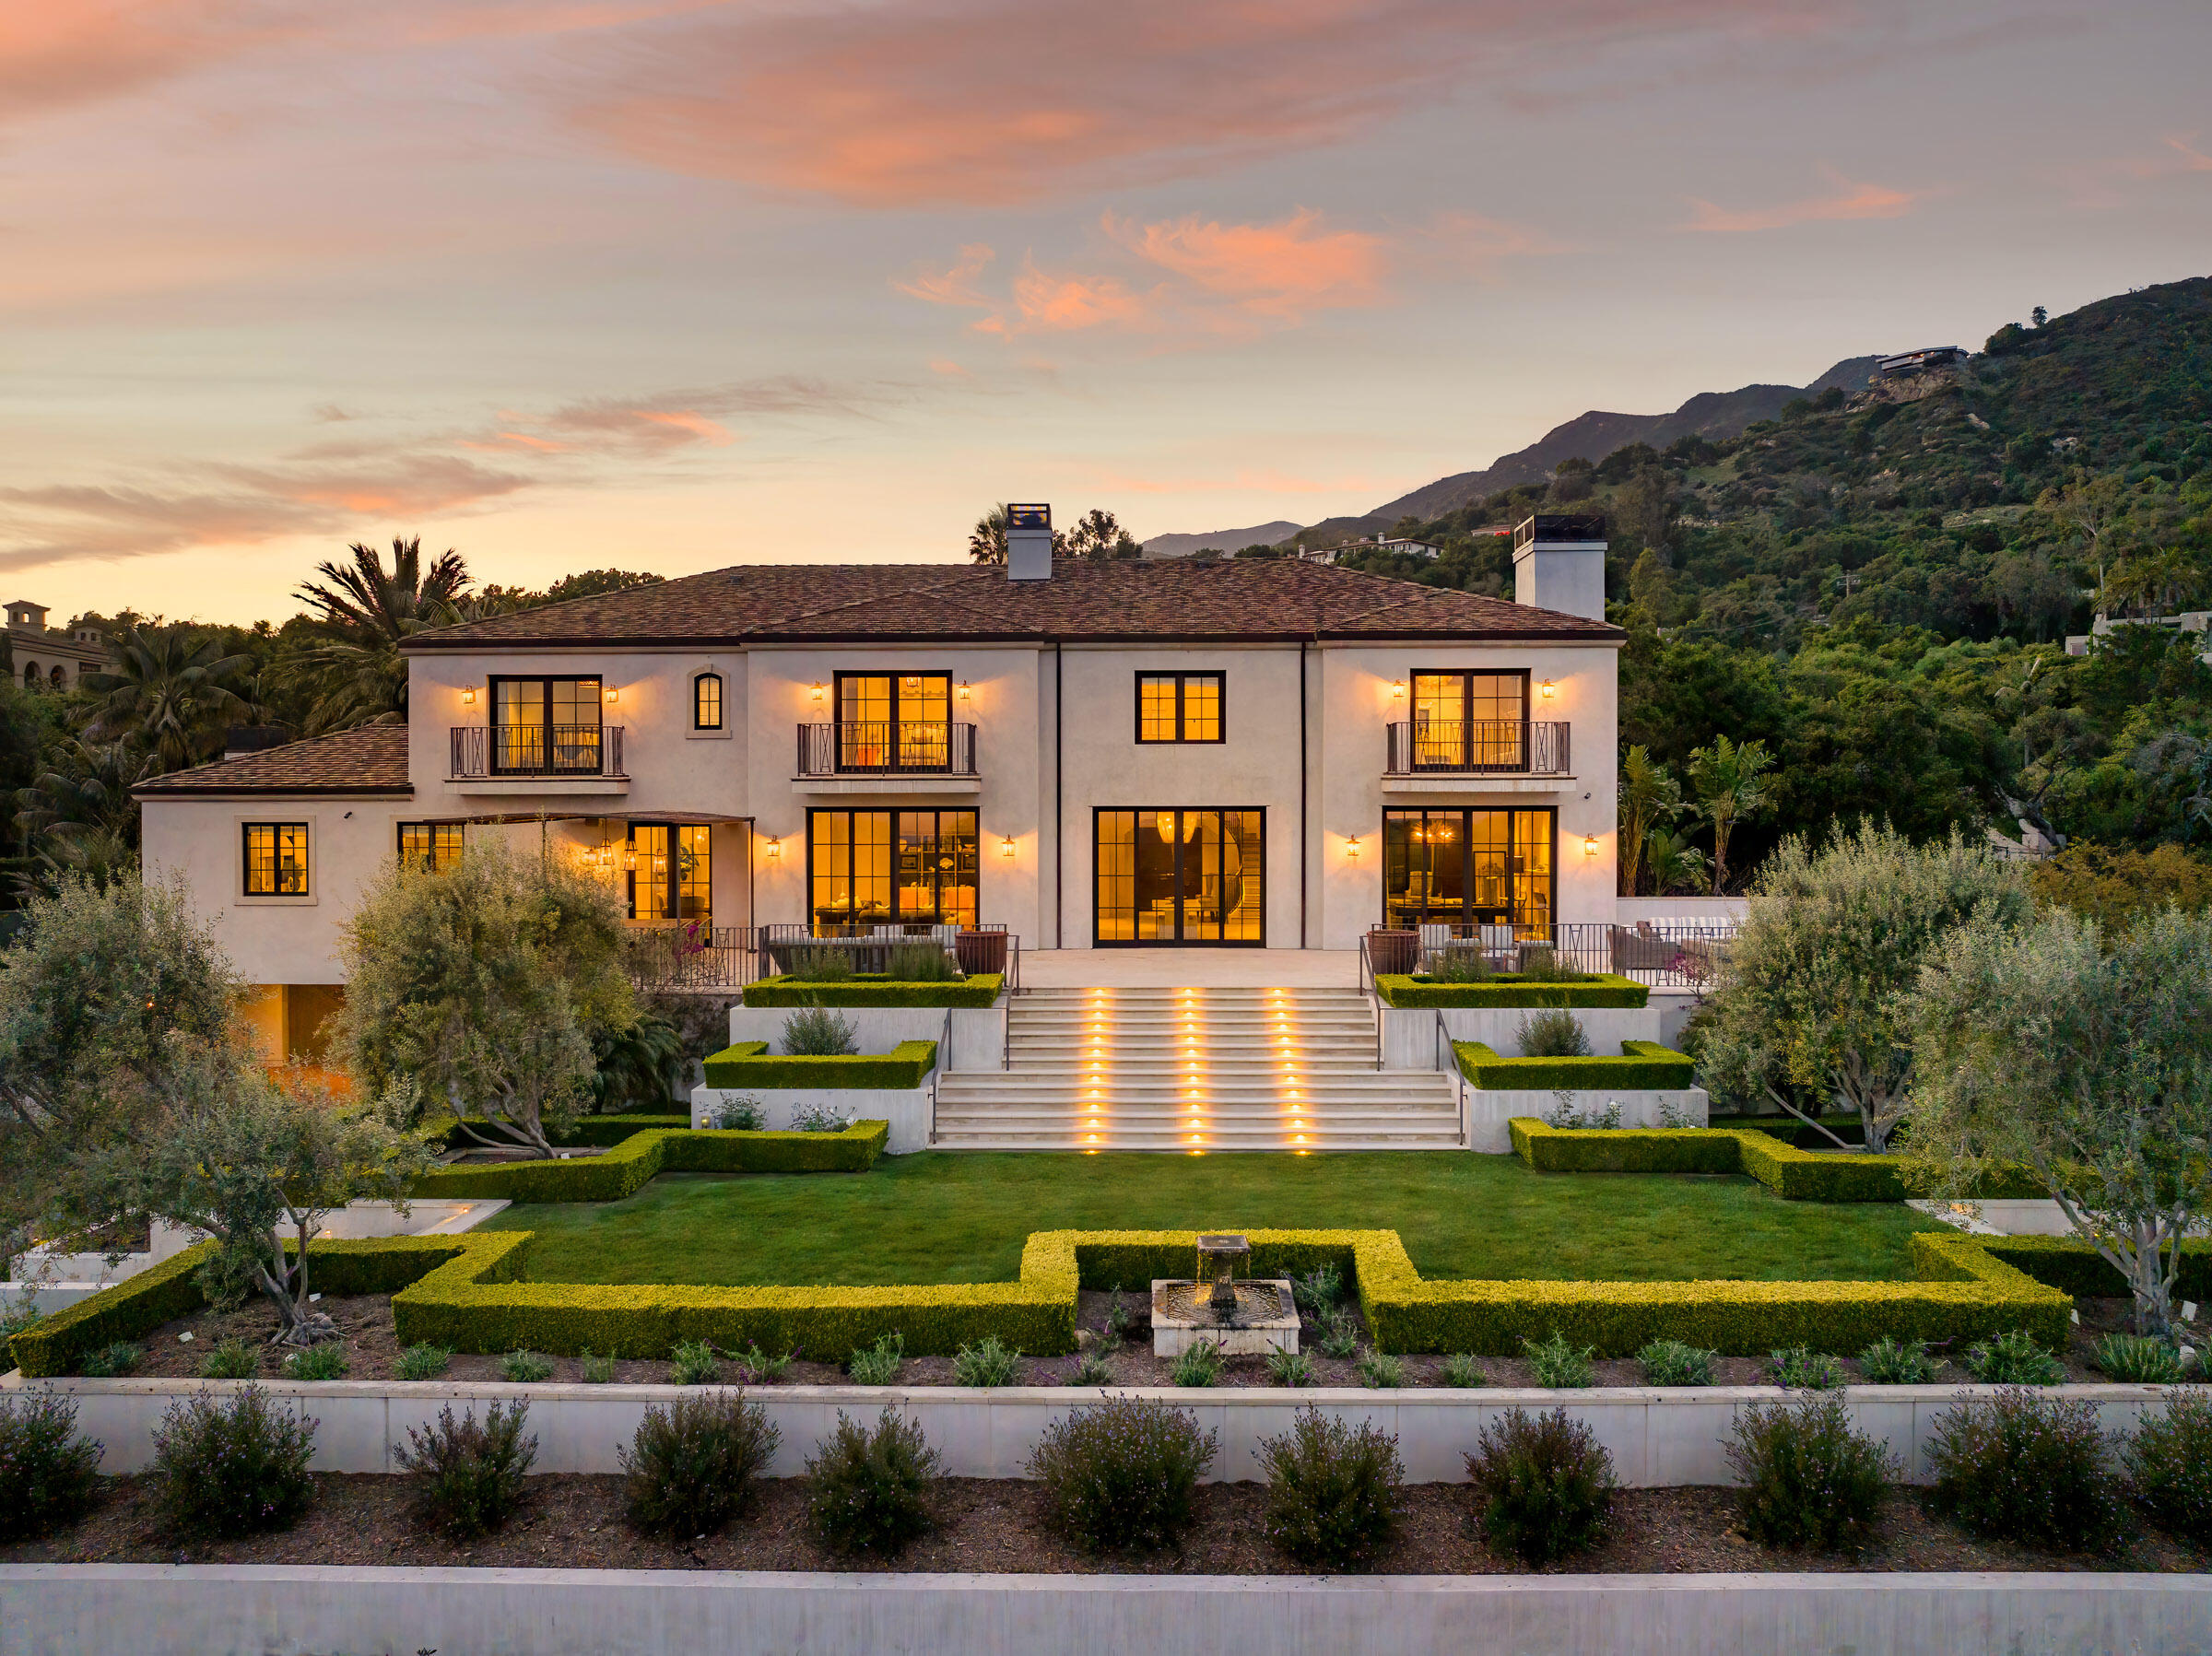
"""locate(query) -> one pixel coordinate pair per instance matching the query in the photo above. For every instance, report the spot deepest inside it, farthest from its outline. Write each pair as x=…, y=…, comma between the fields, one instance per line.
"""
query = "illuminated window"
x=706, y=701
x=673, y=872
x=872, y=868
x=276, y=856
x=545, y=726
x=1179, y=707
x=432, y=845
x=1468, y=868
x=1470, y=720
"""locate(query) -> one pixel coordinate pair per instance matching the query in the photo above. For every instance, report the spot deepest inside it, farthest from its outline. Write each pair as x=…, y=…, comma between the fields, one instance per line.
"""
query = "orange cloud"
x=1284, y=271
x=1850, y=200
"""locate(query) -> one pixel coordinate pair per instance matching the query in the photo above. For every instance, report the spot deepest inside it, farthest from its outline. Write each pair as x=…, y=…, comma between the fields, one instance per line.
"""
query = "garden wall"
x=906, y=1108
x=1491, y=1112
x=1409, y=1033
x=246, y=1610
x=979, y=1034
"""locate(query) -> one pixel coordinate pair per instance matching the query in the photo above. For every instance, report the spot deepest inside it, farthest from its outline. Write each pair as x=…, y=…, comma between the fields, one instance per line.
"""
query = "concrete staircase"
x=1195, y=1069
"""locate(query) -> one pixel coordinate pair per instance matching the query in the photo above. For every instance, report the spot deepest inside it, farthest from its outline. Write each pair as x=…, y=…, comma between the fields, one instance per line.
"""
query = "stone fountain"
x=1221, y=1304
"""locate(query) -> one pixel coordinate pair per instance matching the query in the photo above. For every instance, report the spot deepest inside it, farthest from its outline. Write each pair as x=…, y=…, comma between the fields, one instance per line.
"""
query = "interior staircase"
x=1195, y=1069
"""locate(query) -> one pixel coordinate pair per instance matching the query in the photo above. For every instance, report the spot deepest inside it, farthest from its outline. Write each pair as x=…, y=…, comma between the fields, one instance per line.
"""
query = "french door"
x=1180, y=875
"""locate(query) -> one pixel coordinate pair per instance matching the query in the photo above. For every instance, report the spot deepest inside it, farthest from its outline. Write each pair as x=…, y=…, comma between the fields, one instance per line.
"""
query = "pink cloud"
x=1283, y=271
x=1850, y=201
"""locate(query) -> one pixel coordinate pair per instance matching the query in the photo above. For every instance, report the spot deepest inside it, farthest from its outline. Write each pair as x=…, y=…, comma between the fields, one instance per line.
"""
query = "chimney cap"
x=1030, y=517
x=1574, y=527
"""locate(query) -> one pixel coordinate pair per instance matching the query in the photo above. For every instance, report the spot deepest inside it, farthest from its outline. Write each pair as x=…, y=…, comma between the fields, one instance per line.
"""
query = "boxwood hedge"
x=1643, y=1066
x=982, y=988
x=624, y=1170
x=1508, y=988
x=749, y=1065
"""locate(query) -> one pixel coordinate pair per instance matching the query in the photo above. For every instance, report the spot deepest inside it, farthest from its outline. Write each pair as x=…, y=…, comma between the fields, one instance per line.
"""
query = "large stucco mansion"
x=1235, y=754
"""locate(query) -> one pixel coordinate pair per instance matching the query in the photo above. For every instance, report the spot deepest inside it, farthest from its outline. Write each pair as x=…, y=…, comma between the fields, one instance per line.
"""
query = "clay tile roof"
x=370, y=759
x=1235, y=598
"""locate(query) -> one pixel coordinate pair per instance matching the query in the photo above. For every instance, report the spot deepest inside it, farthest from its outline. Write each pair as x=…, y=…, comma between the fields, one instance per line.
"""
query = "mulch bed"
x=372, y=1352
x=996, y=1526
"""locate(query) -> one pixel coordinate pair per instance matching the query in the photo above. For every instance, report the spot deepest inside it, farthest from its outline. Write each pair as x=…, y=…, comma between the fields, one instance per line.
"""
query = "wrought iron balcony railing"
x=883, y=748
x=537, y=750
x=1475, y=747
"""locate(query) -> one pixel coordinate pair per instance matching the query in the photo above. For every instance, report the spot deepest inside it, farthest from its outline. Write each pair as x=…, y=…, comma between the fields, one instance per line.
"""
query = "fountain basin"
x=1265, y=1320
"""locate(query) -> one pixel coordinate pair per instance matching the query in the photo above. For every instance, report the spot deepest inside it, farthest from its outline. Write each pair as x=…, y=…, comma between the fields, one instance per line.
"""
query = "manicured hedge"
x=624, y=1170
x=2076, y=1267
x=597, y=1131
x=1509, y=989
x=1643, y=1066
x=1799, y=1175
x=980, y=989
x=748, y=1065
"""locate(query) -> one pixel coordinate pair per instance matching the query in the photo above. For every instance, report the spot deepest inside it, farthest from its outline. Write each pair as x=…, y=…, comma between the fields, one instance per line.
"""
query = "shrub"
x=1121, y=1476
x=757, y=1368
x=820, y=1117
x=1893, y=1362
x=2169, y=1463
x=1553, y=1033
x=1810, y=1478
x=112, y=1361
x=818, y=1032
x=988, y=1362
x=1558, y=1363
x=1802, y=1370
x=1459, y=965
x=741, y=1115
x=1676, y=1363
x=2013, y=1359
x=524, y=1368
x=1332, y=1488
x=468, y=1474
x=1120, y=1319
x=1317, y=1292
x=1543, y=1486
x=1289, y=1367
x=1462, y=1370
x=1092, y=1371
x=691, y=1363
x=920, y=963
x=820, y=966
x=597, y=1371
x=1380, y=1370
x=327, y=1362
x=2139, y=1358
x=230, y=1359
x=232, y=1466
x=1339, y=1336
x=878, y=1365
x=424, y=1362
x=693, y=1465
x=49, y=1470
x=1199, y=1364
x=1542, y=965
x=2022, y=1467
x=867, y=1489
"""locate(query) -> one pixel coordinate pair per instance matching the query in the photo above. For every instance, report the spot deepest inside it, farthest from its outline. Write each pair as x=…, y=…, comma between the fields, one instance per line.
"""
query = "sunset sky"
x=671, y=284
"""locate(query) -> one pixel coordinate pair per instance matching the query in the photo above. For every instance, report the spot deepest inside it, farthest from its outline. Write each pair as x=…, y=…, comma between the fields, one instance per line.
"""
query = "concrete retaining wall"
x=1658, y=1437
x=1409, y=1032
x=907, y=1110
x=978, y=1033
x=248, y=1610
x=1489, y=1112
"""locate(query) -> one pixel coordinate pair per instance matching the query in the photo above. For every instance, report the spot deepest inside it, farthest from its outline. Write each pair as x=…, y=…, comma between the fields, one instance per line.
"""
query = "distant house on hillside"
x=47, y=658
x=2199, y=621
x=1920, y=362
x=1411, y=548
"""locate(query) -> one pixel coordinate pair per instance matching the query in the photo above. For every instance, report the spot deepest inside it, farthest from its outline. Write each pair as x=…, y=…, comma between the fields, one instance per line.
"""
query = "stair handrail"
x=1459, y=1076
x=944, y=1062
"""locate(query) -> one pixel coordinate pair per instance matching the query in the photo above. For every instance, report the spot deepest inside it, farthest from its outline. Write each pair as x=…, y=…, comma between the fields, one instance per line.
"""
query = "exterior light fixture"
x=965, y=692
x=1397, y=689
x=1589, y=845
x=468, y=695
x=1351, y=848
x=773, y=849
x=1006, y=846
x=629, y=858
x=1548, y=689
x=818, y=692
x=613, y=696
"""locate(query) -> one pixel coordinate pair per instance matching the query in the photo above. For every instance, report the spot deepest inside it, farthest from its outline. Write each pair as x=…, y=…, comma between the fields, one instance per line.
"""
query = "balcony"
x=1493, y=755
x=537, y=758
x=885, y=758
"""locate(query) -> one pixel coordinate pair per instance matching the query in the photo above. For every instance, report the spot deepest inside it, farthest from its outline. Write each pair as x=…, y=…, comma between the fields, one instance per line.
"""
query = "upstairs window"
x=432, y=845
x=276, y=859
x=706, y=701
x=1179, y=707
x=543, y=726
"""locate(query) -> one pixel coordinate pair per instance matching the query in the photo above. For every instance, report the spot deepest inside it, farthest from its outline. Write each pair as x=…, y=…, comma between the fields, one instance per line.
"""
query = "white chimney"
x=1029, y=543
x=1559, y=564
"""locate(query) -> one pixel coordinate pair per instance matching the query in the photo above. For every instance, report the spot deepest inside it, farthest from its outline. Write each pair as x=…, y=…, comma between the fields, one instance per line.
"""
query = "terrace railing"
x=687, y=956
x=536, y=750
x=1672, y=953
x=884, y=748
x=1479, y=747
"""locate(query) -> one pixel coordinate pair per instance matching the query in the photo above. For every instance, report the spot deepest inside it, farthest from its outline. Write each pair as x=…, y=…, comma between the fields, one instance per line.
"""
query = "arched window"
x=706, y=701
x=30, y=676
x=57, y=678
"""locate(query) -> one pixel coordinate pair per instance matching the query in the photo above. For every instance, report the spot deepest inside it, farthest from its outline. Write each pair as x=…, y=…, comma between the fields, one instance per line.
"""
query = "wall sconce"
x=964, y=692
x=818, y=692
x=613, y=696
x=1548, y=689
x=1589, y=845
x=629, y=858
x=773, y=849
x=1006, y=846
x=1351, y=848
x=1397, y=689
x=468, y=695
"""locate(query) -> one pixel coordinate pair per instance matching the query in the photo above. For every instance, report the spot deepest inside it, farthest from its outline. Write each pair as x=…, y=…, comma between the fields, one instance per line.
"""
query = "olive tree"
x=481, y=986
x=1809, y=1004
x=2085, y=1056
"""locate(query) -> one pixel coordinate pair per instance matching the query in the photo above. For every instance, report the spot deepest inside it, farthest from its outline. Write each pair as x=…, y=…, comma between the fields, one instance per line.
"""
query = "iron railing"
x=688, y=956
x=1475, y=746
x=884, y=748
x=1666, y=954
x=536, y=750
x=870, y=950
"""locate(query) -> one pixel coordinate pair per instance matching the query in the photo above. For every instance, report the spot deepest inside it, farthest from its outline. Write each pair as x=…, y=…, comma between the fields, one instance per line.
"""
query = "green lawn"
x=946, y=1217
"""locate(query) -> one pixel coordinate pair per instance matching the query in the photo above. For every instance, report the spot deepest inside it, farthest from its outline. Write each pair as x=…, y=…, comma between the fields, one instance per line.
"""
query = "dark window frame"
x=892, y=915
x=1463, y=813
x=434, y=827
x=837, y=693
x=1181, y=675
x=1177, y=943
x=307, y=861
x=674, y=891
x=698, y=682
x=1465, y=760
x=546, y=724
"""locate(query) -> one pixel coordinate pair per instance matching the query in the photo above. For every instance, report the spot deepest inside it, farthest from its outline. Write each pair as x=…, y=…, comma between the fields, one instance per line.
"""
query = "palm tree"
x=79, y=815
x=171, y=690
x=357, y=675
x=987, y=540
x=1725, y=780
x=1649, y=797
x=1675, y=863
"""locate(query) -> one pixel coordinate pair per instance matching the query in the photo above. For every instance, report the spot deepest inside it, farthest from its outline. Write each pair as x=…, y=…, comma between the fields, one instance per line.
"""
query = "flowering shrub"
x=693, y=1465
x=1332, y=1488
x=2170, y=1460
x=1810, y=1478
x=468, y=1473
x=1121, y=1476
x=1544, y=1486
x=2023, y=1467
x=232, y=1466
x=869, y=1489
x=49, y=1470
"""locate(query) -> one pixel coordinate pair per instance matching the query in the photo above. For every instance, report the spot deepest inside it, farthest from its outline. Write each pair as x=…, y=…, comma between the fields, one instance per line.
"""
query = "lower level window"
x=432, y=845
x=671, y=871
x=1467, y=868
x=276, y=859
x=872, y=868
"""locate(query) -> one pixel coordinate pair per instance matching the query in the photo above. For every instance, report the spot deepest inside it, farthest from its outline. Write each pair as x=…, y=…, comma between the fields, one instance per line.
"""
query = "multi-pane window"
x=671, y=871
x=1180, y=875
x=1467, y=868
x=432, y=845
x=276, y=859
x=706, y=701
x=1470, y=720
x=1179, y=707
x=881, y=868
x=894, y=721
x=542, y=726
